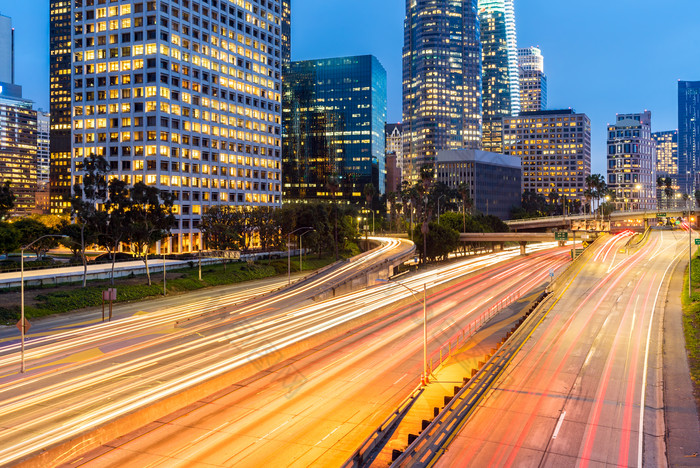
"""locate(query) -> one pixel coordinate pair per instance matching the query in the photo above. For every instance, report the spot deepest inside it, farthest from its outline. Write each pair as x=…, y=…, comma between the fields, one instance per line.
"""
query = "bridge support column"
x=522, y=248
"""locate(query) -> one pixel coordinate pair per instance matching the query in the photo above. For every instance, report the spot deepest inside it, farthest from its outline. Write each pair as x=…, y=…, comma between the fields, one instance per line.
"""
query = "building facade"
x=442, y=107
x=60, y=15
x=666, y=145
x=18, y=146
x=43, y=125
x=394, y=145
x=334, y=117
x=185, y=97
x=688, y=135
x=533, y=81
x=7, y=50
x=555, y=148
x=286, y=30
x=494, y=180
x=632, y=162
x=501, y=80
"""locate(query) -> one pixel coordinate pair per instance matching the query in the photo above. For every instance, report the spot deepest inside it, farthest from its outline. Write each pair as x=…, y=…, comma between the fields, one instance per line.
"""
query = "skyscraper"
x=632, y=162
x=182, y=96
x=533, y=81
x=555, y=147
x=286, y=31
x=441, y=80
x=688, y=135
x=501, y=88
x=394, y=146
x=18, y=142
x=666, y=166
x=60, y=104
x=666, y=144
x=7, y=50
x=334, y=116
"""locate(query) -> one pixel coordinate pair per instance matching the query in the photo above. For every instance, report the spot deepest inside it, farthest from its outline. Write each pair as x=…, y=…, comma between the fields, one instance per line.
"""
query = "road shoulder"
x=681, y=412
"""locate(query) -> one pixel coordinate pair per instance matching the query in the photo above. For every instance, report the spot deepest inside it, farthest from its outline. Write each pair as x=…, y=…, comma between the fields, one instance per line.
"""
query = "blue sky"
x=601, y=56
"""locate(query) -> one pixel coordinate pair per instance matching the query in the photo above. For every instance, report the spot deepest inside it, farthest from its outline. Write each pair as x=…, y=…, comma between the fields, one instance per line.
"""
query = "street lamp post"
x=425, y=377
x=438, y=208
x=289, y=252
x=301, y=248
x=21, y=287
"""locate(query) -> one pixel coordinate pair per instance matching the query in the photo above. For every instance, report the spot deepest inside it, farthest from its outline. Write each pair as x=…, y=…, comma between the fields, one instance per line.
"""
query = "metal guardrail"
x=430, y=444
x=373, y=445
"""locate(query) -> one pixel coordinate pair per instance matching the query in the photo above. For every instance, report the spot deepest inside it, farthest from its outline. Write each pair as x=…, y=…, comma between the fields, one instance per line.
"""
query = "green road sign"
x=561, y=236
x=697, y=241
x=660, y=215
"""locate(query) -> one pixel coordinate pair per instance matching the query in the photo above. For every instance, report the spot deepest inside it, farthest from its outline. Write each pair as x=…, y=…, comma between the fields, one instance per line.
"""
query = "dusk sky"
x=601, y=57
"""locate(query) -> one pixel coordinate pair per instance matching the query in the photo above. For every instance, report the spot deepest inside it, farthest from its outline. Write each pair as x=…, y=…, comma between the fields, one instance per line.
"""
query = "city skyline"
x=594, y=79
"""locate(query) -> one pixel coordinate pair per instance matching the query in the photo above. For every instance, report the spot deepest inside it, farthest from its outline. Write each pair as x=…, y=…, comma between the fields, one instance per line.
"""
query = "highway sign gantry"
x=561, y=236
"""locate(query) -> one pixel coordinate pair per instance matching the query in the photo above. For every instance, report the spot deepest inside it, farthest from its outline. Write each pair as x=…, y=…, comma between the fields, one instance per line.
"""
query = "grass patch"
x=73, y=297
x=691, y=322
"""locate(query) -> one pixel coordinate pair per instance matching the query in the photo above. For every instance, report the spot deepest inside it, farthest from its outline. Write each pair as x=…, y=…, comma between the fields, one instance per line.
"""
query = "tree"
x=333, y=184
x=9, y=238
x=149, y=217
x=463, y=191
x=440, y=241
x=668, y=190
x=85, y=201
x=222, y=227
x=112, y=220
x=7, y=199
x=31, y=230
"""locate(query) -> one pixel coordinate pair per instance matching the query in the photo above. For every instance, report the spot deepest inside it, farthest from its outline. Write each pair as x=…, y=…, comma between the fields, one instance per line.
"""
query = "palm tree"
x=668, y=191
x=463, y=190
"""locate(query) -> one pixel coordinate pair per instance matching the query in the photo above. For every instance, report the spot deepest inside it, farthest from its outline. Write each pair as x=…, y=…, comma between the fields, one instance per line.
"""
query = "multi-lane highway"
x=586, y=388
x=316, y=408
x=85, y=376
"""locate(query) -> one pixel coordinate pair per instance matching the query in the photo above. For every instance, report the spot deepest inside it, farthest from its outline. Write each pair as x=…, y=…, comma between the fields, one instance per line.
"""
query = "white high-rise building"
x=7, y=50
x=632, y=162
x=43, y=133
x=533, y=81
x=184, y=96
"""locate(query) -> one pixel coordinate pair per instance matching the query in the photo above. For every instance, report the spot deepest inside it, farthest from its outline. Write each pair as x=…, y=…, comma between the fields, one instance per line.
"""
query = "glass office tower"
x=688, y=135
x=334, y=116
x=441, y=80
x=501, y=88
x=61, y=108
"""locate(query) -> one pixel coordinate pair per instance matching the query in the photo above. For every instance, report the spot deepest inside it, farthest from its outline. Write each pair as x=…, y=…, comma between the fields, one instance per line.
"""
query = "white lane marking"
x=283, y=424
x=640, y=442
x=327, y=435
x=400, y=379
x=559, y=423
x=588, y=356
x=358, y=375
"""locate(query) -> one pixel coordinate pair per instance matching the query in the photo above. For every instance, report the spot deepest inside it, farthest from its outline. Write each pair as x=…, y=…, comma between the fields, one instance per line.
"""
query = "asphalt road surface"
x=317, y=408
x=586, y=389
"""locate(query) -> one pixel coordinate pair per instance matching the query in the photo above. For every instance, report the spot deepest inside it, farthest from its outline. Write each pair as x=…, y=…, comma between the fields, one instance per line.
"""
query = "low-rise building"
x=493, y=179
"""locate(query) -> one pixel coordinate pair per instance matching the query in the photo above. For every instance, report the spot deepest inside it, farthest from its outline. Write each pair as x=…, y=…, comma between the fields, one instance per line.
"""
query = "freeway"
x=83, y=376
x=586, y=388
x=316, y=408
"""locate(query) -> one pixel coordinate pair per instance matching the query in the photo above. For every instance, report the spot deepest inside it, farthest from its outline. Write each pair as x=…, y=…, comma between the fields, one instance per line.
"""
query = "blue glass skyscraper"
x=334, y=111
x=688, y=135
